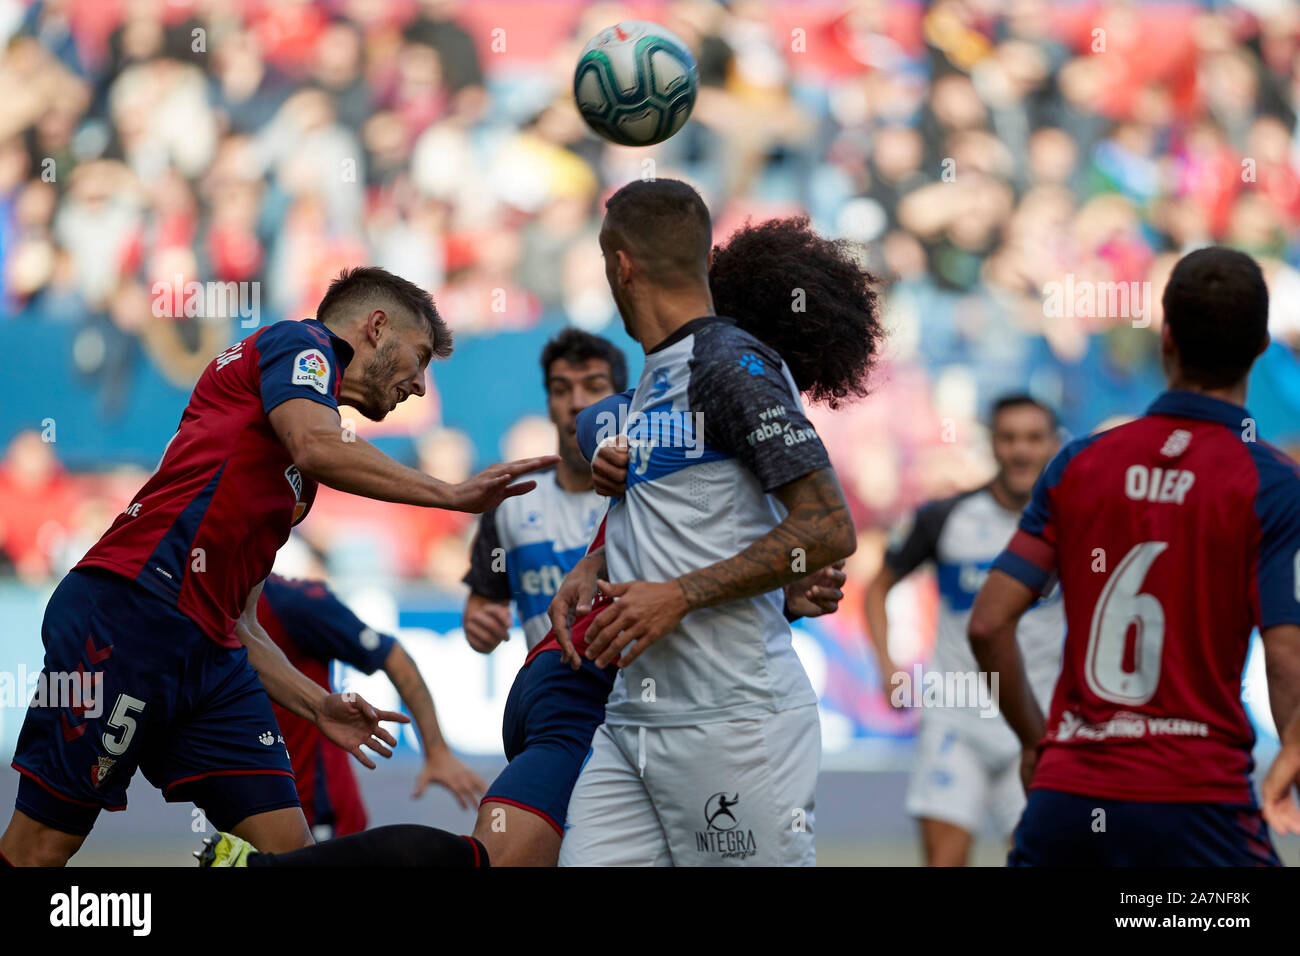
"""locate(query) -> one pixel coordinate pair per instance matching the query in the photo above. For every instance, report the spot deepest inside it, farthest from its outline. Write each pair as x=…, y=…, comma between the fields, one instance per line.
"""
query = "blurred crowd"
x=978, y=150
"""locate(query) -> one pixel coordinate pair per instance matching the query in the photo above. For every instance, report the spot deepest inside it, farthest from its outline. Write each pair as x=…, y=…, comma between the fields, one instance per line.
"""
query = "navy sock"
x=402, y=844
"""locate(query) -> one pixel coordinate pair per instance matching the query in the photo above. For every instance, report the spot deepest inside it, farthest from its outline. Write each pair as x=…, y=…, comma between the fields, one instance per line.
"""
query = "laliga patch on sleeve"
x=311, y=368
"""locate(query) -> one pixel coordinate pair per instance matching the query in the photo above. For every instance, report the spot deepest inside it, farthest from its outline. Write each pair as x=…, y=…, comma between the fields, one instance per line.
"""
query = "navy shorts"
x=550, y=717
x=1065, y=829
x=152, y=691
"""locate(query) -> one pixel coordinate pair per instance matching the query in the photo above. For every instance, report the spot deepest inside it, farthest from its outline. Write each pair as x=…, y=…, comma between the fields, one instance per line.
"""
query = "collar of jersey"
x=1180, y=404
x=690, y=328
x=342, y=350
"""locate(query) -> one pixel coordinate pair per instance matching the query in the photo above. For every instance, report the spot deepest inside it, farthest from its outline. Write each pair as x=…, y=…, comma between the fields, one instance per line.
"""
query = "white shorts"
x=731, y=793
x=959, y=780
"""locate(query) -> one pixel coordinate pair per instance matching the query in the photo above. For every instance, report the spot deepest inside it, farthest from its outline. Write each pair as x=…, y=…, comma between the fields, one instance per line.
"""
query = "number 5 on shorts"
x=121, y=720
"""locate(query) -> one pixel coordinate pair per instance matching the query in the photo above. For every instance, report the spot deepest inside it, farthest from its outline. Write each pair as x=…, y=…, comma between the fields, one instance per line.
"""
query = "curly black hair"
x=805, y=296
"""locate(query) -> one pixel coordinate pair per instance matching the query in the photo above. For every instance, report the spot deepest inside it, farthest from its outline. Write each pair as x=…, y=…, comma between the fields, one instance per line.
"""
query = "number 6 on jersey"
x=1118, y=669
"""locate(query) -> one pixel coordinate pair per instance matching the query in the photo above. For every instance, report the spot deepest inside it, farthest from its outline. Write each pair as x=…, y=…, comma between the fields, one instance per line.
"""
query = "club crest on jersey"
x=100, y=771
x=311, y=368
x=294, y=477
x=1176, y=443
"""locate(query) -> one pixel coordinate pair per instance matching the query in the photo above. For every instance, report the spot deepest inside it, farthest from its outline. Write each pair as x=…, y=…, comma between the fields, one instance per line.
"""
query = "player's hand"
x=888, y=672
x=643, y=612
x=574, y=598
x=1276, y=802
x=350, y=722
x=1028, y=764
x=487, y=626
x=609, y=467
x=493, y=485
x=444, y=768
x=818, y=593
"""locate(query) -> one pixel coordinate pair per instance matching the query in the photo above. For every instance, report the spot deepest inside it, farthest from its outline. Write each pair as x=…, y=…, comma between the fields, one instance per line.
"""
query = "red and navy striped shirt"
x=1174, y=536
x=204, y=530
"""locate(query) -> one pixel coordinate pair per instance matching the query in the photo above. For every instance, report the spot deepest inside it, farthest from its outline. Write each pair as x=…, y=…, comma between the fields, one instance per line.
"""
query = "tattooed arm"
x=816, y=531
x=441, y=766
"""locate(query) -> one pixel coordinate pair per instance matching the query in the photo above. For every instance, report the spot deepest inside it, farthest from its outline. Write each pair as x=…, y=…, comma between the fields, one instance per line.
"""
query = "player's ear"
x=1167, y=346
x=622, y=266
x=376, y=324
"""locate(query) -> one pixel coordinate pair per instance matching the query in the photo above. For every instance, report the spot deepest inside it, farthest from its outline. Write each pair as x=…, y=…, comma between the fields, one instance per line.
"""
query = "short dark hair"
x=663, y=223
x=1023, y=400
x=575, y=346
x=364, y=285
x=1216, y=306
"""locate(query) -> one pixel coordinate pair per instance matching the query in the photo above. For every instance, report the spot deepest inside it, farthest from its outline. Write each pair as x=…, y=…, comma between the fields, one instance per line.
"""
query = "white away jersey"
x=714, y=425
x=963, y=535
x=527, y=544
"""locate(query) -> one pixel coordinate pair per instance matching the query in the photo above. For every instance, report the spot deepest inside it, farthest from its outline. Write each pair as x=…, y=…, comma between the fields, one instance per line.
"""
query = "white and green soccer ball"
x=635, y=83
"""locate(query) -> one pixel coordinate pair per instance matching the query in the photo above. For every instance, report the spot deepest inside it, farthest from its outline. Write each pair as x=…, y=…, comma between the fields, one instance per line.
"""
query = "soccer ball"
x=635, y=83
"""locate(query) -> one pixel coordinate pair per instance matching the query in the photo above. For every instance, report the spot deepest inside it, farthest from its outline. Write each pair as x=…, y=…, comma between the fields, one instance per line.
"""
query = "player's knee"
x=38, y=845
x=525, y=843
x=945, y=844
x=276, y=831
x=495, y=843
x=289, y=837
x=37, y=854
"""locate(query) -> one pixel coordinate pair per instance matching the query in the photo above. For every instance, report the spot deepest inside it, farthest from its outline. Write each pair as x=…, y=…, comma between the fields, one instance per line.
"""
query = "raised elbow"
x=309, y=454
x=983, y=630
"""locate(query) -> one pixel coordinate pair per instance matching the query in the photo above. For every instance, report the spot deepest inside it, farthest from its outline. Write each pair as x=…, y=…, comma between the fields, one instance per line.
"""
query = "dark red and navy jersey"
x=314, y=628
x=204, y=530
x=1174, y=536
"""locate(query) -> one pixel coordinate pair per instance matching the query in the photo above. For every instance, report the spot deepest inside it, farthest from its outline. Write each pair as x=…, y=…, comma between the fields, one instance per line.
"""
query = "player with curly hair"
x=553, y=713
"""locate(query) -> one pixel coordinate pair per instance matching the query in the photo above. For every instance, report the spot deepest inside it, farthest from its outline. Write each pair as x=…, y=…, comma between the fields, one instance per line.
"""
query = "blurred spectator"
x=37, y=502
x=982, y=154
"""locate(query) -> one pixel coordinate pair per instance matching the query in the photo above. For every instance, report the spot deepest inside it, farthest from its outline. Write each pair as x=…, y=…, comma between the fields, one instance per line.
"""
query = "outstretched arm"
x=816, y=531
x=440, y=764
x=314, y=437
